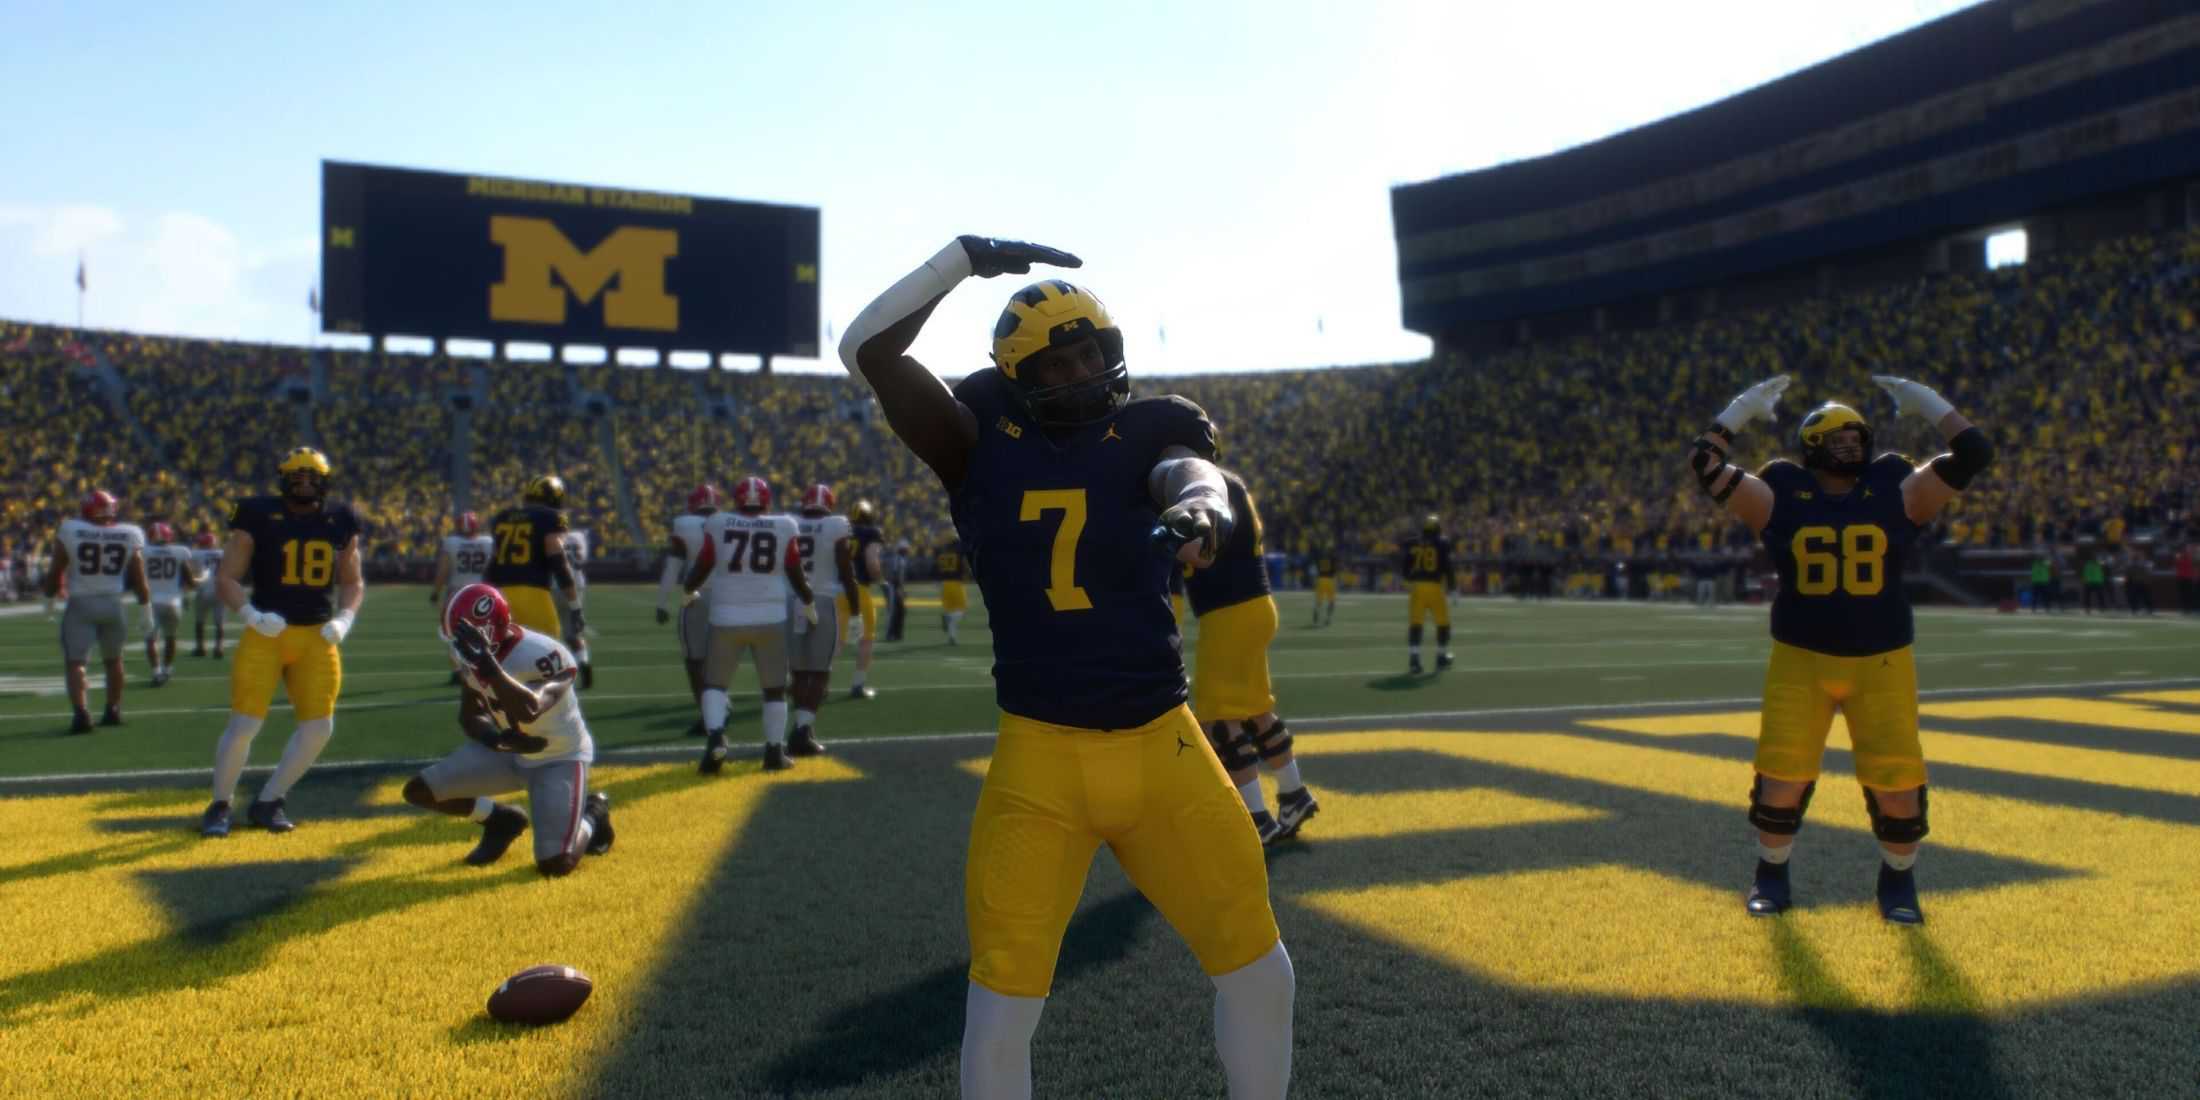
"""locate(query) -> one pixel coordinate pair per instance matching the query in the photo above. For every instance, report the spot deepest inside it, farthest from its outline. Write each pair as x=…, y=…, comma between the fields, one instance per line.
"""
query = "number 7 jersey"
x=1840, y=558
x=294, y=556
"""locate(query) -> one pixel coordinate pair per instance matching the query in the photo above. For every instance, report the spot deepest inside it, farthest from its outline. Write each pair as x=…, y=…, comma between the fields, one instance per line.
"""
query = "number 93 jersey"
x=99, y=555
x=1840, y=557
x=1058, y=532
x=294, y=556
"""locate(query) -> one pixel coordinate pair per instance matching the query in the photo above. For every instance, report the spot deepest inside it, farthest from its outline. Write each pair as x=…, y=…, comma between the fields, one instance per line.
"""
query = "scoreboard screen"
x=488, y=257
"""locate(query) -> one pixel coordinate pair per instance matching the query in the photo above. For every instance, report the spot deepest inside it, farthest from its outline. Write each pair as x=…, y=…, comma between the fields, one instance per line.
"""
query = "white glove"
x=1758, y=400
x=809, y=613
x=1914, y=397
x=689, y=596
x=335, y=629
x=267, y=623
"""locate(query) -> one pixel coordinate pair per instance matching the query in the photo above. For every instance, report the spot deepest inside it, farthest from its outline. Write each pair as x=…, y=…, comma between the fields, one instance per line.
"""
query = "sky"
x=1223, y=167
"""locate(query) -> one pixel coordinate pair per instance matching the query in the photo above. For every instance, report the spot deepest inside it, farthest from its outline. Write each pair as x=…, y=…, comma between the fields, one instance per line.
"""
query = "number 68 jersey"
x=294, y=556
x=533, y=659
x=1840, y=557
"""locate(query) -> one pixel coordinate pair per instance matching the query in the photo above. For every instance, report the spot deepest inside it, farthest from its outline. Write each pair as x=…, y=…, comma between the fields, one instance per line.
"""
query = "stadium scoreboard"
x=487, y=257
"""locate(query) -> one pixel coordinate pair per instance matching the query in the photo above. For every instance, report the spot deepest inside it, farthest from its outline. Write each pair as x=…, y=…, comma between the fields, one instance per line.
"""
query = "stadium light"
x=2005, y=249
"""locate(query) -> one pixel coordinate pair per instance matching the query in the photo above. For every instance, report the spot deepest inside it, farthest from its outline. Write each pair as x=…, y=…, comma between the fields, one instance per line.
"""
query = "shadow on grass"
x=1404, y=681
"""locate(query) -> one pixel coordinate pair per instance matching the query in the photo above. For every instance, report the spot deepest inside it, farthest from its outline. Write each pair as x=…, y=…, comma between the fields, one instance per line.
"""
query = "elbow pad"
x=1972, y=453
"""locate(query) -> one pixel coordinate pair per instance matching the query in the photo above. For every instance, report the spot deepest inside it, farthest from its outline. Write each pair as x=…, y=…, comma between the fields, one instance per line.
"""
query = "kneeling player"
x=525, y=731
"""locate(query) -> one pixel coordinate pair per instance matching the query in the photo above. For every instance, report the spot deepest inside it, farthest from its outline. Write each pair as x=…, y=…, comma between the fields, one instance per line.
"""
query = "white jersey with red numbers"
x=576, y=555
x=533, y=661
x=469, y=556
x=748, y=573
x=165, y=566
x=207, y=563
x=99, y=555
x=687, y=530
x=819, y=534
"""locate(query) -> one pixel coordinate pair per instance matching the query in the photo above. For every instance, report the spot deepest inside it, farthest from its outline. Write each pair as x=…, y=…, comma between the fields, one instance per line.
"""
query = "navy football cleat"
x=1768, y=896
x=714, y=754
x=1898, y=896
x=804, y=742
x=215, y=821
x=269, y=816
x=1293, y=808
x=775, y=758
x=1266, y=826
x=598, y=809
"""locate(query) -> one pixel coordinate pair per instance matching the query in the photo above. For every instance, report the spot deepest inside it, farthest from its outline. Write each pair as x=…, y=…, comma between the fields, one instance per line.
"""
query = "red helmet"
x=818, y=498
x=205, y=540
x=752, y=494
x=469, y=523
x=483, y=606
x=162, y=532
x=100, y=506
x=703, y=499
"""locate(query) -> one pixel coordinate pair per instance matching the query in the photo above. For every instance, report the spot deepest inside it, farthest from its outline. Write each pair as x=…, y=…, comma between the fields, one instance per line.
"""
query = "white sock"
x=1771, y=854
x=306, y=743
x=860, y=673
x=775, y=722
x=996, y=1047
x=229, y=756
x=1253, y=1025
x=804, y=717
x=1287, y=777
x=1250, y=792
x=954, y=620
x=1899, y=862
x=714, y=709
x=584, y=834
x=483, y=807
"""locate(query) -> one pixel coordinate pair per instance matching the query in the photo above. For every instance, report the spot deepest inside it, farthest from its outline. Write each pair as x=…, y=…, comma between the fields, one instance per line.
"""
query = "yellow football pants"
x=1427, y=598
x=304, y=663
x=1233, y=683
x=1876, y=694
x=534, y=608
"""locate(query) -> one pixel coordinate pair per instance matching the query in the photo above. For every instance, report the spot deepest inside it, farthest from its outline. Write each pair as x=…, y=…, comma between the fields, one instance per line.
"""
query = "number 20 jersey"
x=1840, y=558
x=1057, y=530
x=294, y=556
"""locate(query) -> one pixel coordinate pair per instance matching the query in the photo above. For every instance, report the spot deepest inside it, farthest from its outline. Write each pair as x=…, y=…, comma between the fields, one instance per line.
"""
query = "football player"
x=856, y=606
x=821, y=536
x=1058, y=482
x=530, y=558
x=682, y=549
x=1429, y=579
x=463, y=560
x=1232, y=695
x=206, y=562
x=1325, y=587
x=576, y=636
x=303, y=557
x=1838, y=529
x=522, y=720
x=95, y=557
x=947, y=561
x=756, y=563
x=169, y=574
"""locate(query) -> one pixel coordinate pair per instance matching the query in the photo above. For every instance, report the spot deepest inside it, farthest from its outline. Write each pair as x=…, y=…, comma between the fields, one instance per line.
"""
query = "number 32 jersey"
x=294, y=556
x=1057, y=530
x=1840, y=558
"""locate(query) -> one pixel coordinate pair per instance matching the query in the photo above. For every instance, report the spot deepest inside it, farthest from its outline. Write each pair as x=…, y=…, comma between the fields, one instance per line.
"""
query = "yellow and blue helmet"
x=304, y=474
x=1053, y=314
x=1820, y=424
x=547, y=490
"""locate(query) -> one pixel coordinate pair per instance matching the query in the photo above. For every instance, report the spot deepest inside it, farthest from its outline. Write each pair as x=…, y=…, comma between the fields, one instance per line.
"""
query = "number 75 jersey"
x=1840, y=558
x=294, y=556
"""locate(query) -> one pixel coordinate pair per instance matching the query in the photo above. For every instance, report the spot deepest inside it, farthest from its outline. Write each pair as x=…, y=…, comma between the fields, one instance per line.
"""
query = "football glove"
x=1914, y=398
x=1759, y=400
x=663, y=616
x=337, y=628
x=474, y=649
x=516, y=742
x=267, y=623
x=688, y=596
x=991, y=256
x=1189, y=523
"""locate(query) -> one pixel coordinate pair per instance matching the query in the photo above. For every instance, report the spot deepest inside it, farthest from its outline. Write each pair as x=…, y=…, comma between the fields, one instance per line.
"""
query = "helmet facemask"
x=1083, y=399
x=1823, y=429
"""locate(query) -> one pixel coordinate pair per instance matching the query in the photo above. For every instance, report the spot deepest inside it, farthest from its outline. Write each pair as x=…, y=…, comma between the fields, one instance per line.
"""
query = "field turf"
x=1525, y=880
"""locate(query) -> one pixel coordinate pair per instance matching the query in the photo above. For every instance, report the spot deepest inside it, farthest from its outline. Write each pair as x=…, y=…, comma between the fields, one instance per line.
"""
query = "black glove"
x=990, y=256
x=663, y=616
x=1192, y=521
x=517, y=742
x=472, y=645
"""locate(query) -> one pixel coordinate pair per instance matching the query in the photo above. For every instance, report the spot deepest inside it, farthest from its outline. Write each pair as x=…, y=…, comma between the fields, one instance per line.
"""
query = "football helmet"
x=100, y=506
x=205, y=540
x=1052, y=314
x=162, y=533
x=547, y=490
x=752, y=495
x=469, y=524
x=304, y=474
x=863, y=513
x=817, y=499
x=1821, y=423
x=1432, y=524
x=703, y=499
x=484, y=607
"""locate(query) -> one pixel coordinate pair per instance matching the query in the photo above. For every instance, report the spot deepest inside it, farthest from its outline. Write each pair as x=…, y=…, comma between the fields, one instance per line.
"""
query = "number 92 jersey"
x=1840, y=559
x=294, y=556
x=1057, y=530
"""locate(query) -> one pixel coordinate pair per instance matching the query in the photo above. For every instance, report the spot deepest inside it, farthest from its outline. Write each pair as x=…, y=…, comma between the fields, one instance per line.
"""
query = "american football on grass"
x=540, y=995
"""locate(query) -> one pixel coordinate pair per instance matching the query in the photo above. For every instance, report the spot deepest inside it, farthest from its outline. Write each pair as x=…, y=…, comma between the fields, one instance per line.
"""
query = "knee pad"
x=1778, y=820
x=1897, y=830
x=1233, y=744
x=1274, y=743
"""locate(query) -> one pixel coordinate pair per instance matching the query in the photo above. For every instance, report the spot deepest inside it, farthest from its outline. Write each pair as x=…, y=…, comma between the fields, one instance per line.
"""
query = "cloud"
x=175, y=272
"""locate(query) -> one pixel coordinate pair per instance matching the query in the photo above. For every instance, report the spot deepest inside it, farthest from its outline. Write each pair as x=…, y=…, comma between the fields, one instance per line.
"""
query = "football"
x=540, y=995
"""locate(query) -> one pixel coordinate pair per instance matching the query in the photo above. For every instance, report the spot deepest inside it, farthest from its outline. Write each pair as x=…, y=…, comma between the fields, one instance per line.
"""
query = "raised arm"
x=1194, y=502
x=1933, y=484
x=919, y=407
x=1744, y=495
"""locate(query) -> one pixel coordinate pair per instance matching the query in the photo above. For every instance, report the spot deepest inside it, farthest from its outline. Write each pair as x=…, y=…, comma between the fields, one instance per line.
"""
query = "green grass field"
x=1525, y=880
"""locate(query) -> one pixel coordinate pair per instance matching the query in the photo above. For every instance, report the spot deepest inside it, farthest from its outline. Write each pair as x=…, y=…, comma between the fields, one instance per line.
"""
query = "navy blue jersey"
x=294, y=556
x=947, y=561
x=1427, y=558
x=519, y=533
x=1238, y=573
x=1325, y=565
x=866, y=535
x=1840, y=559
x=1058, y=532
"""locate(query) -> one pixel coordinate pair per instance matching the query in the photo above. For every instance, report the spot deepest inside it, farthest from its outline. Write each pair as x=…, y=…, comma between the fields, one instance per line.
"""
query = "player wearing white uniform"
x=94, y=559
x=828, y=544
x=206, y=561
x=524, y=728
x=750, y=560
x=465, y=557
x=569, y=624
x=169, y=574
x=681, y=550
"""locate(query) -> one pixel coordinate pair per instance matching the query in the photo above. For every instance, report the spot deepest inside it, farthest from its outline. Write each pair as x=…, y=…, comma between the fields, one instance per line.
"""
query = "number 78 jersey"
x=1840, y=559
x=748, y=558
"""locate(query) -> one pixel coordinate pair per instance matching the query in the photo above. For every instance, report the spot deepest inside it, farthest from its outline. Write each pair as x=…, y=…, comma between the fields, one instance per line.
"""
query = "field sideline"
x=1525, y=880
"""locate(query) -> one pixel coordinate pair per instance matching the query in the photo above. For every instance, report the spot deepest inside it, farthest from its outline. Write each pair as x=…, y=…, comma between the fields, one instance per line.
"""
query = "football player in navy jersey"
x=1838, y=528
x=1074, y=503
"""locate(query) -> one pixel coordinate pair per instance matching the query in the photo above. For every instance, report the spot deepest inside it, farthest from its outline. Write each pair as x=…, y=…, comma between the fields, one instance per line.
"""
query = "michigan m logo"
x=535, y=250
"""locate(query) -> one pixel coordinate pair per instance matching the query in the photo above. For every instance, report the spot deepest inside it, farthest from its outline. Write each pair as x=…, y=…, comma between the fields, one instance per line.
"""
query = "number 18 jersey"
x=294, y=556
x=1840, y=559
